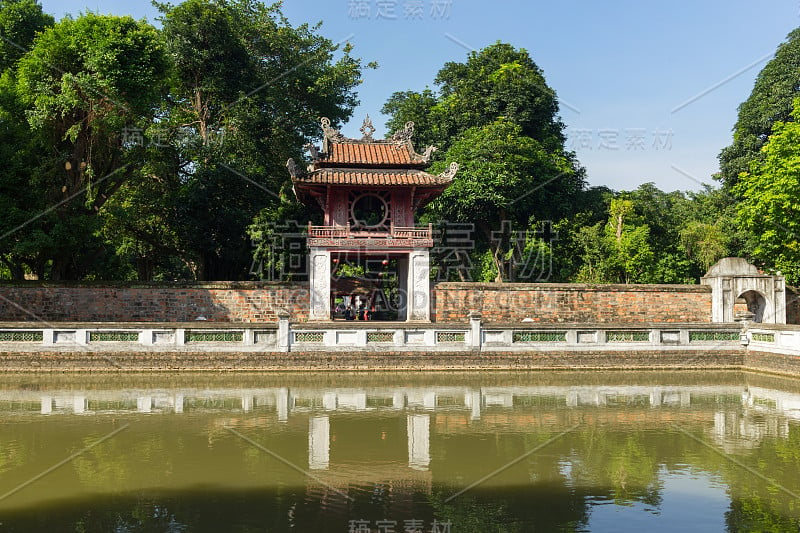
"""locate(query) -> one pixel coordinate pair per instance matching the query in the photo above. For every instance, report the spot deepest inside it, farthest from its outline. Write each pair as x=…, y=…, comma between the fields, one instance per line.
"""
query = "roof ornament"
x=426, y=157
x=313, y=150
x=450, y=173
x=404, y=135
x=330, y=133
x=367, y=129
x=294, y=169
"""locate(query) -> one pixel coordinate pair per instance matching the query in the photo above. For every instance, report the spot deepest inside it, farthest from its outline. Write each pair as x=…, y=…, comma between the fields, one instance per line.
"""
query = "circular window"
x=369, y=211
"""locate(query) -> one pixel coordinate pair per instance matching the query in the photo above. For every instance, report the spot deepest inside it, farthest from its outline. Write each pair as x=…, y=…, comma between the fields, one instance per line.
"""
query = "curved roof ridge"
x=338, y=149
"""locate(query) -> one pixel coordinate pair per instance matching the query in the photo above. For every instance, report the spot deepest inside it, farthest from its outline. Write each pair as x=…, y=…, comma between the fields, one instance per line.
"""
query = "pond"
x=430, y=452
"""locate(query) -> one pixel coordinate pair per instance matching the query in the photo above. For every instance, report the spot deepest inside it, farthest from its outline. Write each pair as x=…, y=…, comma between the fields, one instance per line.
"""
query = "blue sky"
x=648, y=90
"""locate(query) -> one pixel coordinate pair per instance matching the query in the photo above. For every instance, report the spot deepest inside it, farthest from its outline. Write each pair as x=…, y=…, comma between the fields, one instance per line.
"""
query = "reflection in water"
x=567, y=452
x=319, y=448
x=419, y=441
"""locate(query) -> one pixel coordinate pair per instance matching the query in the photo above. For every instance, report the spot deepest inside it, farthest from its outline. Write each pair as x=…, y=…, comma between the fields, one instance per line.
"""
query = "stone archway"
x=756, y=304
x=732, y=278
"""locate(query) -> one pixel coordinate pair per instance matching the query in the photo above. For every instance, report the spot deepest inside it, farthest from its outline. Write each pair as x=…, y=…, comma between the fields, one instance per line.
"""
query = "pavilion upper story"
x=369, y=189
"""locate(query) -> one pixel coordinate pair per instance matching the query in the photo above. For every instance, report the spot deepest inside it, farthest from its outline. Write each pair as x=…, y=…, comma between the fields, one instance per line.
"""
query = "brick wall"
x=226, y=302
x=257, y=302
x=774, y=363
x=84, y=361
x=579, y=303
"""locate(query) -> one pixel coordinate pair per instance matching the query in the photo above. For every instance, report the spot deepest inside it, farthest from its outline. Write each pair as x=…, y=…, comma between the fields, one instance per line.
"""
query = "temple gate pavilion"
x=369, y=190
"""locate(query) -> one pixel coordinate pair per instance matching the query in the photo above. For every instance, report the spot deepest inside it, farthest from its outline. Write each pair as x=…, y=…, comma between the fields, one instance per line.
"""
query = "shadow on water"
x=542, y=508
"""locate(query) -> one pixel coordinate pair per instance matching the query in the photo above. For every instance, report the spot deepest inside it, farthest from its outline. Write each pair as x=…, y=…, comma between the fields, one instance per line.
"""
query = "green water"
x=400, y=452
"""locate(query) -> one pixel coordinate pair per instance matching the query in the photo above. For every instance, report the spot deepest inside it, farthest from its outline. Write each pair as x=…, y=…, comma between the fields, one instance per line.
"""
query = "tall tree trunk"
x=497, y=256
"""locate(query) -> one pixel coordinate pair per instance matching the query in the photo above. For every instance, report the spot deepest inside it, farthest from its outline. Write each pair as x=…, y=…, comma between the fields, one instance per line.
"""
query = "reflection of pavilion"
x=418, y=430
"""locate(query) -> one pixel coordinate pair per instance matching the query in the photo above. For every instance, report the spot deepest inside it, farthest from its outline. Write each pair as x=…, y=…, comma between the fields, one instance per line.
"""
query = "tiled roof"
x=360, y=176
x=371, y=153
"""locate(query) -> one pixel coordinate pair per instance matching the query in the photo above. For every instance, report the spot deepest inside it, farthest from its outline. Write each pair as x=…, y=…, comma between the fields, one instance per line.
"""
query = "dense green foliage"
x=770, y=192
x=146, y=154
x=496, y=82
x=770, y=101
x=534, y=218
x=760, y=168
x=133, y=152
x=496, y=117
x=20, y=21
x=67, y=101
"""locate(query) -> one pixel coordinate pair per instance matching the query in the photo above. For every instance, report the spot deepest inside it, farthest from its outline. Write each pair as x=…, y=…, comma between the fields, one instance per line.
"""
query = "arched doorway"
x=756, y=304
x=737, y=285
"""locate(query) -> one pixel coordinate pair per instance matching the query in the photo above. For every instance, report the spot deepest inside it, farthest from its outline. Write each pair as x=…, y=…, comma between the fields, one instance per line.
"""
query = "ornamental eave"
x=368, y=177
x=340, y=150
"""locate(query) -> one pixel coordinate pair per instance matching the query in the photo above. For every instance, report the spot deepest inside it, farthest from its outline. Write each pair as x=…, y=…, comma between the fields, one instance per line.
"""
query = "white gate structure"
x=732, y=278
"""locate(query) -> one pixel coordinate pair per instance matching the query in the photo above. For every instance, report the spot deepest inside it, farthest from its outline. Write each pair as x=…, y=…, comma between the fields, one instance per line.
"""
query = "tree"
x=80, y=84
x=506, y=182
x=498, y=81
x=665, y=214
x=770, y=101
x=416, y=107
x=20, y=21
x=674, y=237
x=704, y=242
x=495, y=115
x=711, y=229
x=770, y=193
x=137, y=153
x=246, y=92
x=620, y=252
x=593, y=252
